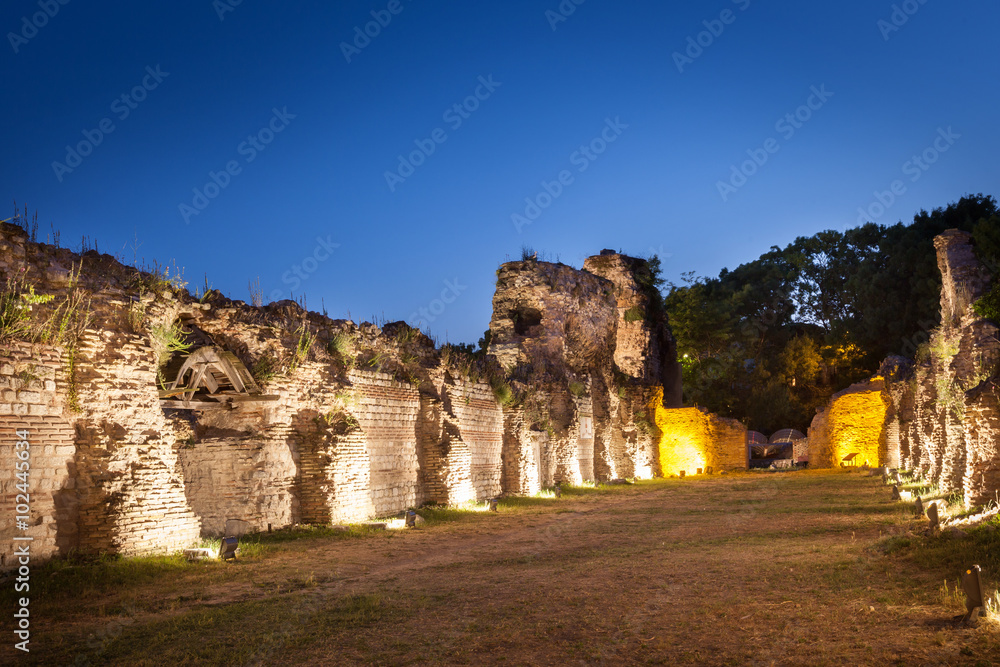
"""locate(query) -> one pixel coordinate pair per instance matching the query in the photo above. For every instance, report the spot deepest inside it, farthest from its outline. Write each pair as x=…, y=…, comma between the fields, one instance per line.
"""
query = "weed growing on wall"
x=264, y=369
x=16, y=303
x=166, y=339
x=341, y=344
x=301, y=353
x=634, y=314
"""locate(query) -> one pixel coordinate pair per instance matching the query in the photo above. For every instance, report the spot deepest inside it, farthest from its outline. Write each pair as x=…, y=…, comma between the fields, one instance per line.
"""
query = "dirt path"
x=739, y=570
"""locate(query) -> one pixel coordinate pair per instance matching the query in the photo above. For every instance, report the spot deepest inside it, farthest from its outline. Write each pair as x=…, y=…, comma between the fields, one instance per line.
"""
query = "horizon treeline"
x=772, y=340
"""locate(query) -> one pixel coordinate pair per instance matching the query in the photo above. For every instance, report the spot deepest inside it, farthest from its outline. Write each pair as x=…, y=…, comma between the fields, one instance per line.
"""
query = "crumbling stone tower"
x=592, y=348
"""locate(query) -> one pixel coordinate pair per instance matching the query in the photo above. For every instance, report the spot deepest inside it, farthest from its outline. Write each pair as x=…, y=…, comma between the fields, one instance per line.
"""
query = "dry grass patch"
x=798, y=568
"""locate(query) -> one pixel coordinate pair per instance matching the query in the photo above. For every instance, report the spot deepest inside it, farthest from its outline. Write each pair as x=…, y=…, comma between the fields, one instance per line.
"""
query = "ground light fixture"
x=558, y=491
x=493, y=504
x=230, y=547
x=972, y=584
x=411, y=519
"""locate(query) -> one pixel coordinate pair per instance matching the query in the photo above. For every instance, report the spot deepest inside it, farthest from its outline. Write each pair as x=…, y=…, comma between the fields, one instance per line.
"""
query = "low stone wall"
x=690, y=438
x=852, y=425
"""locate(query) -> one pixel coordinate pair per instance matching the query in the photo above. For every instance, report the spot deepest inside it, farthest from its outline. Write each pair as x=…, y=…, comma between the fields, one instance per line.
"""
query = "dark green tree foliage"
x=773, y=339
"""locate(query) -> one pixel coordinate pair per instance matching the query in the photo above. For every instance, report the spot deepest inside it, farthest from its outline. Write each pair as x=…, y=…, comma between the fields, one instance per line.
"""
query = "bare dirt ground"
x=752, y=569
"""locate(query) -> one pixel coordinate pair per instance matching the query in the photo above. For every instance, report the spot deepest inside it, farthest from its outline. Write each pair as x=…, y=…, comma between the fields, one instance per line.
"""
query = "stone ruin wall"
x=942, y=409
x=853, y=424
x=692, y=439
x=603, y=381
x=555, y=329
x=371, y=431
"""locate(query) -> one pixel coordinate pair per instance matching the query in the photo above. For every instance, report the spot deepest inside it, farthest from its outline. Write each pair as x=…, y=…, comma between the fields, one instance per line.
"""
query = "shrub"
x=264, y=369
x=166, y=339
x=16, y=302
x=301, y=353
x=341, y=344
x=634, y=314
x=988, y=305
x=501, y=390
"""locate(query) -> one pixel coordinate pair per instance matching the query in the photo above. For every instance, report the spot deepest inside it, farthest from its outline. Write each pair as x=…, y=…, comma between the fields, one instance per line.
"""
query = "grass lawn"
x=799, y=568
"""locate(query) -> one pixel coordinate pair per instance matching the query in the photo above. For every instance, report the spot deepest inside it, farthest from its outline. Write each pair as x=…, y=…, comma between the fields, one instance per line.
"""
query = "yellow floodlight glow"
x=685, y=434
x=856, y=423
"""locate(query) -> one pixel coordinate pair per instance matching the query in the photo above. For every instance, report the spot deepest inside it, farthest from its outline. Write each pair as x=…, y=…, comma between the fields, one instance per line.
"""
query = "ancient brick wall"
x=942, y=418
x=351, y=422
x=129, y=481
x=851, y=428
x=644, y=348
x=387, y=411
x=31, y=405
x=480, y=424
x=690, y=438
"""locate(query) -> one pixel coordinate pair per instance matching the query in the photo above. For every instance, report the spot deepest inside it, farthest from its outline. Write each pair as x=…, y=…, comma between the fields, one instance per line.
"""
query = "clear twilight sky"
x=390, y=172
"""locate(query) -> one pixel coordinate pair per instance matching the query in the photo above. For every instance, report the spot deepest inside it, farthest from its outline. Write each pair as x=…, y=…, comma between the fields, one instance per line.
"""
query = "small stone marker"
x=895, y=492
x=919, y=506
x=708, y=470
x=932, y=514
x=682, y=472
x=895, y=476
x=699, y=471
x=972, y=584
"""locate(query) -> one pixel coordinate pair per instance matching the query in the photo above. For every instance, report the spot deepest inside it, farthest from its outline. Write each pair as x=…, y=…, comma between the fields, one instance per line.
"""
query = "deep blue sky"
x=655, y=189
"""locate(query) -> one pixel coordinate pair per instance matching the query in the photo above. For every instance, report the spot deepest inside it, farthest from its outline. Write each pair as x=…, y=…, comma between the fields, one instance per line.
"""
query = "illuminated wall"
x=853, y=423
x=690, y=439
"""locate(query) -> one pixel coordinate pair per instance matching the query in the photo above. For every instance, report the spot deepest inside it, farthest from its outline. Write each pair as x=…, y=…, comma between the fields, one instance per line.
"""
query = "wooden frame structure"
x=216, y=378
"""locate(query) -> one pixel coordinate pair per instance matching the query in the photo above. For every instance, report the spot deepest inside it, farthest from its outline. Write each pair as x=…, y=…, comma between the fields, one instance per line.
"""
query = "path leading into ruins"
x=751, y=569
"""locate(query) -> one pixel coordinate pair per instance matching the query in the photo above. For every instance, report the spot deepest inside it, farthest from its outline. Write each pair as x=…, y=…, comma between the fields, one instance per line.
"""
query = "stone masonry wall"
x=942, y=414
x=31, y=405
x=351, y=422
x=690, y=438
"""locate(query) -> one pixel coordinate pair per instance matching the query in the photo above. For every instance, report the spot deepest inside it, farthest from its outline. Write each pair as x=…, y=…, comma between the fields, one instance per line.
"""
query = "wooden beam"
x=194, y=405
